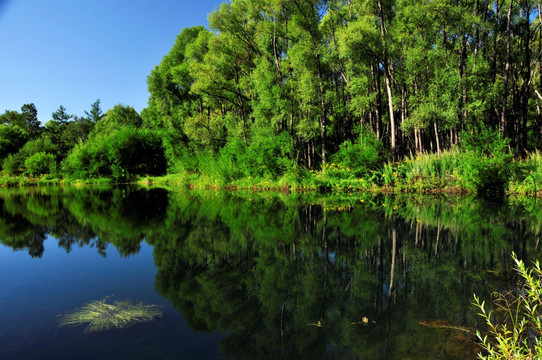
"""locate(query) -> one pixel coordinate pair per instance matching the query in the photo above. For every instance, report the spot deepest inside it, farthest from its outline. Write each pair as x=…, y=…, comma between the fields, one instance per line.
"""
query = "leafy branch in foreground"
x=517, y=335
x=102, y=316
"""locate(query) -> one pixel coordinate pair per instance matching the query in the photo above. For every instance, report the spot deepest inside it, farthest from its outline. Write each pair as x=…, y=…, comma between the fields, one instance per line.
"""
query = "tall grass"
x=527, y=175
x=427, y=172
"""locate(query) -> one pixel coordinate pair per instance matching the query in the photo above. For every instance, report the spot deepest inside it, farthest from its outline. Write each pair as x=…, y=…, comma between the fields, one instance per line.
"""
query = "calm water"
x=253, y=276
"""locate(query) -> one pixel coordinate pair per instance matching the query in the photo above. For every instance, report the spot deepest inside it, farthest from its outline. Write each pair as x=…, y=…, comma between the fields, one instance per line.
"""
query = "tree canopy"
x=416, y=74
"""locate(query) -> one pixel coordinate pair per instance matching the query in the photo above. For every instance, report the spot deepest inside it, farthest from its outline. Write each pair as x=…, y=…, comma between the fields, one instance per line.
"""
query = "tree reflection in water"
x=297, y=276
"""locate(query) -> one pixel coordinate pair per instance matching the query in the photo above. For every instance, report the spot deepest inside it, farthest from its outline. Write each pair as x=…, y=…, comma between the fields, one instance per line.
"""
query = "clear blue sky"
x=72, y=52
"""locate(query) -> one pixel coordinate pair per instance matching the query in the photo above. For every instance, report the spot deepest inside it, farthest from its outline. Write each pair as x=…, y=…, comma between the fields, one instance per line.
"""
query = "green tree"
x=95, y=113
x=30, y=116
x=12, y=138
x=61, y=116
x=116, y=118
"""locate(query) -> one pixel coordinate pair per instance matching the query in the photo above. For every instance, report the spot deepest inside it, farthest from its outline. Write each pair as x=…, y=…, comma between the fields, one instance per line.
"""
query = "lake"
x=246, y=275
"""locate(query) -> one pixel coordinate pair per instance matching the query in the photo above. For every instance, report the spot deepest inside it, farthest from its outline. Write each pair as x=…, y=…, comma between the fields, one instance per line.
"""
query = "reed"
x=101, y=316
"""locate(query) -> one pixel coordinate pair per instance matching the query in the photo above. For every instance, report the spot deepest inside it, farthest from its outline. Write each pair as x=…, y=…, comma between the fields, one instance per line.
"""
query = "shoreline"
x=302, y=185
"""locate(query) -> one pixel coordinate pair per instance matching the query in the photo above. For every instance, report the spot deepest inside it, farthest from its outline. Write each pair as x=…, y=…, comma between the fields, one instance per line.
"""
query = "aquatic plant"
x=518, y=335
x=102, y=316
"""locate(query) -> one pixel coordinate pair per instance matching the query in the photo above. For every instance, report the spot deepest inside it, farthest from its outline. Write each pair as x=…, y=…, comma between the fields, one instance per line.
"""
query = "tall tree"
x=30, y=116
x=61, y=116
x=95, y=113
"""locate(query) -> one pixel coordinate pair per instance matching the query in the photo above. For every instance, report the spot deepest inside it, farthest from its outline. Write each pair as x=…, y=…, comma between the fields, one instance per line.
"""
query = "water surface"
x=253, y=276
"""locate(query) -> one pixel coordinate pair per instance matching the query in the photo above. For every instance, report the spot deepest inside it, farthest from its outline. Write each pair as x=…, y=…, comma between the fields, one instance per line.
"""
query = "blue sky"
x=72, y=52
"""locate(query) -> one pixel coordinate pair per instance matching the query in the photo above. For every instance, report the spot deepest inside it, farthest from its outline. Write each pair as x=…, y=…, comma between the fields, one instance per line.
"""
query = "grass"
x=101, y=316
x=452, y=172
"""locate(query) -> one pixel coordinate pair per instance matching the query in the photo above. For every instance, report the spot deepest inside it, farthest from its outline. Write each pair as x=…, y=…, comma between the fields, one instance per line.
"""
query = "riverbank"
x=453, y=172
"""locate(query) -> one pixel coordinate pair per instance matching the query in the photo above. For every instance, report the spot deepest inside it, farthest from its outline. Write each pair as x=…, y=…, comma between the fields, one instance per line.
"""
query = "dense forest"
x=277, y=87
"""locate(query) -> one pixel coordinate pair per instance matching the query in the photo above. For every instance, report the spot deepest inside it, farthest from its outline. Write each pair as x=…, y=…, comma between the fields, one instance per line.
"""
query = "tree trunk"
x=323, y=114
x=526, y=82
x=387, y=79
x=503, y=122
x=437, y=142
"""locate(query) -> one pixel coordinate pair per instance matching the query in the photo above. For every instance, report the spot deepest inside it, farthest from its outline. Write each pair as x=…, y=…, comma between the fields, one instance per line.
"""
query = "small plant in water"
x=101, y=316
x=517, y=336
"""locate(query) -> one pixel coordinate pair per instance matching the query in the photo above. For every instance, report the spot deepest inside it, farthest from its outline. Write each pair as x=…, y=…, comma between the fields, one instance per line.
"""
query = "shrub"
x=40, y=163
x=11, y=165
x=486, y=160
x=14, y=164
x=269, y=157
x=122, y=154
x=363, y=156
x=134, y=151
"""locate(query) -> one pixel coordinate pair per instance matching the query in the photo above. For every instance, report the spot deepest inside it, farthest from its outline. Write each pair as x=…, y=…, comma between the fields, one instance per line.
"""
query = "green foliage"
x=269, y=157
x=95, y=113
x=266, y=158
x=12, y=138
x=40, y=163
x=134, y=151
x=276, y=88
x=75, y=132
x=432, y=172
x=363, y=156
x=15, y=164
x=121, y=154
x=519, y=335
x=319, y=70
x=116, y=118
x=11, y=165
x=486, y=161
x=29, y=114
x=61, y=116
x=527, y=175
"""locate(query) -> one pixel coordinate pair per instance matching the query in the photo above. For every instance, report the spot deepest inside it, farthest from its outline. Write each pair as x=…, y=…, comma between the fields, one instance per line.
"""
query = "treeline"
x=416, y=74
x=112, y=145
x=278, y=86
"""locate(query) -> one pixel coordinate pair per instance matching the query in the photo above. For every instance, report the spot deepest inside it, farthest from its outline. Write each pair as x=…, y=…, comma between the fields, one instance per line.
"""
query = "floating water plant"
x=102, y=316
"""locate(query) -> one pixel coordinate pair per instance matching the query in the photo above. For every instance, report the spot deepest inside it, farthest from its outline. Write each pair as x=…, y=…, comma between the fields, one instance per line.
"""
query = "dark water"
x=254, y=276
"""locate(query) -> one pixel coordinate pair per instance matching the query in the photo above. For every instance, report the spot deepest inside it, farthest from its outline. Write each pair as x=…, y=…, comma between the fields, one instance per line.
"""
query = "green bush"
x=118, y=117
x=121, y=154
x=486, y=160
x=180, y=157
x=363, y=156
x=134, y=151
x=268, y=158
x=12, y=138
x=14, y=164
x=40, y=163
x=11, y=165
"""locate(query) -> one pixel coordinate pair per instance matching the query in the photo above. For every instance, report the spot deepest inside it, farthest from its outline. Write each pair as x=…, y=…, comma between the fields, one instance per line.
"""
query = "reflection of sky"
x=70, y=279
x=34, y=291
